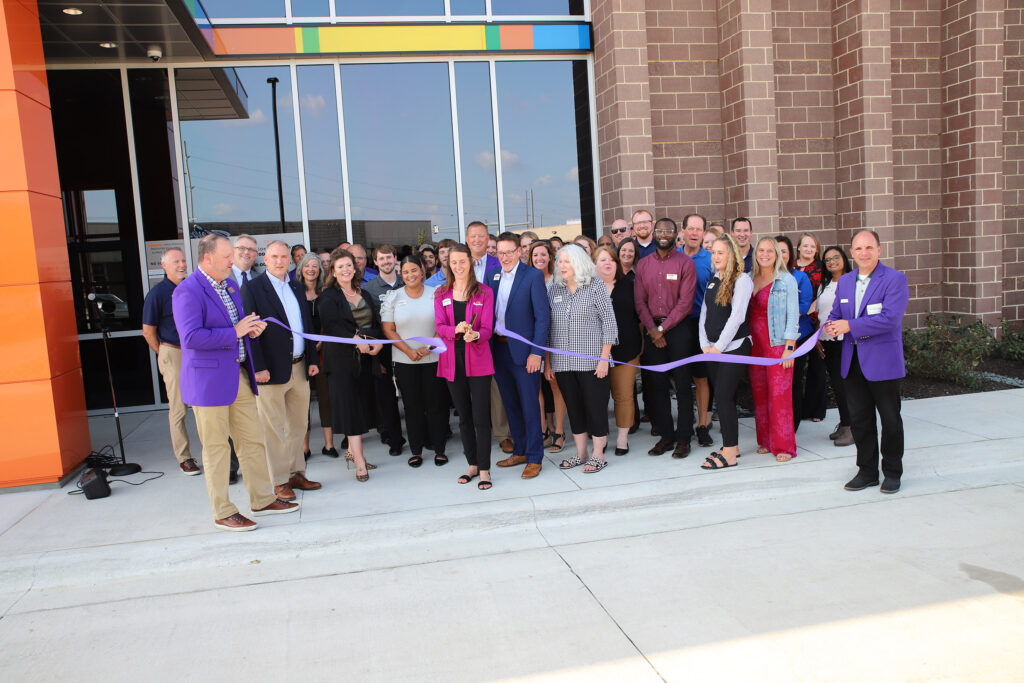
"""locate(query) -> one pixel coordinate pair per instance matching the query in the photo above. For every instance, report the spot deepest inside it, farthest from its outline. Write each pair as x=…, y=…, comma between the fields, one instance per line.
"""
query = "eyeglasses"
x=642, y=222
x=616, y=231
x=832, y=259
x=249, y=249
x=664, y=231
x=507, y=253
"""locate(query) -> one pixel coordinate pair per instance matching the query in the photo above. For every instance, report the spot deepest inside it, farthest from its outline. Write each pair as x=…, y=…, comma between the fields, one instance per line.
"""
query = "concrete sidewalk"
x=650, y=569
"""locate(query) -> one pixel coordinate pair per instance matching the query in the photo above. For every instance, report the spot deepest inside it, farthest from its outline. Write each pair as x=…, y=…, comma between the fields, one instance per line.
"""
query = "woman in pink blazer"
x=464, y=314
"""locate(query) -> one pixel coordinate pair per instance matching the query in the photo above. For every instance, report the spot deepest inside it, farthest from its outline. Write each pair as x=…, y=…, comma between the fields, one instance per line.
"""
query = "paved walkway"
x=648, y=570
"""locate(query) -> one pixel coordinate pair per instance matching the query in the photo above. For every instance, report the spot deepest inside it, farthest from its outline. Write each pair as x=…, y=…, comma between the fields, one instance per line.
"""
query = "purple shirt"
x=664, y=288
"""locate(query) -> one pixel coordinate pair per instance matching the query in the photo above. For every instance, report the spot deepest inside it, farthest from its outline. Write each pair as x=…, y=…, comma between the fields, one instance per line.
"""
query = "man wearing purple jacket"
x=218, y=381
x=868, y=312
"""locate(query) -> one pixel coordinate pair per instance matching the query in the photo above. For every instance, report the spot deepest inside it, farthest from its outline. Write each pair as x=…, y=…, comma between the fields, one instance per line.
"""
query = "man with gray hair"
x=245, y=254
x=159, y=332
x=283, y=362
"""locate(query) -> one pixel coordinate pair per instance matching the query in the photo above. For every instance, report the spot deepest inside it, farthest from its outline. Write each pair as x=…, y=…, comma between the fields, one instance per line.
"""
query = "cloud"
x=544, y=180
x=485, y=160
x=222, y=209
x=256, y=118
x=508, y=159
x=314, y=104
x=573, y=174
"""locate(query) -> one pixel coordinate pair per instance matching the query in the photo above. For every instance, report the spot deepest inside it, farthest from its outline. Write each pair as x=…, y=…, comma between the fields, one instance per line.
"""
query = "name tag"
x=874, y=309
x=446, y=302
x=557, y=300
x=671, y=276
x=400, y=303
x=711, y=285
x=844, y=301
x=478, y=303
x=497, y=276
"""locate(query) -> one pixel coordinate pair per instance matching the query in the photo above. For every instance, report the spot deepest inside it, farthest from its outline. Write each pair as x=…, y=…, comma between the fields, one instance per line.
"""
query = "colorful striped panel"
x=398, y=38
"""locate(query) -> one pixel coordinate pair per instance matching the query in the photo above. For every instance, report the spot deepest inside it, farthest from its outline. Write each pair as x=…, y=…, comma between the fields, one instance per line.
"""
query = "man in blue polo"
x=162, y=336
x=693, y=238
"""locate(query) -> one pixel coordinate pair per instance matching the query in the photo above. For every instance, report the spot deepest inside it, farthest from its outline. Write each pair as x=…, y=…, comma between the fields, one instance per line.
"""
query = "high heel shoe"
x=350, y=460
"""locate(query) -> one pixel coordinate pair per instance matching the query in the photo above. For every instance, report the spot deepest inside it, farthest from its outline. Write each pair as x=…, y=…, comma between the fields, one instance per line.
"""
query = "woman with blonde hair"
x=588, y=245
x=723, y=329
x=774, y=321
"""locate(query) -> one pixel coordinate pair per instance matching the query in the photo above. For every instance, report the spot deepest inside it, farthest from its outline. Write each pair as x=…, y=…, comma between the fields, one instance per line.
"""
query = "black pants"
x=865, y=397
x=678, y=344
x=385, y=403
x=426, y=405
x=472, y=398
x=815, y=401
x=799, y=372
x=834, y=365
x=586, y=401
x=726, y=378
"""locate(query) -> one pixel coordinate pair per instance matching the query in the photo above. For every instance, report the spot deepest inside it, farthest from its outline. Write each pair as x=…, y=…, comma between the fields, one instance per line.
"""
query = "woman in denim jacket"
x=774, y=326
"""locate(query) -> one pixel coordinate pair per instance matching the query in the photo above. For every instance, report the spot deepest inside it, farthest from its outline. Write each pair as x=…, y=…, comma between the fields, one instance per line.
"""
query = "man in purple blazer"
x=218, y=381
x=868, y=313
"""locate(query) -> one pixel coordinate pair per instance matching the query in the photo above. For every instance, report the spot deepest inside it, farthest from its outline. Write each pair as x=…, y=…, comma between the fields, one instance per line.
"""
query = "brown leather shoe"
x=189, y=468
x=235, y=522
x=284, y=492
x=682, y=450
x=531, y=470
x=662, y=446
x=299, y=481
x=507, y=446
x=278, y=507
x=512, y=461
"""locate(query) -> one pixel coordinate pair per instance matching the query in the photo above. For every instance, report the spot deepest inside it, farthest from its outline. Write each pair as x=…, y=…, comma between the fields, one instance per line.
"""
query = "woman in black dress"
x=347, y=311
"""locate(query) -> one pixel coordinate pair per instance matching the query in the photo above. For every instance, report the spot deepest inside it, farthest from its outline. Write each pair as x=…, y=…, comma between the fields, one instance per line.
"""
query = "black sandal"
x=466, y=478
x=716, y=461
x=440, y=459
x=416, y=461
x=484, y=485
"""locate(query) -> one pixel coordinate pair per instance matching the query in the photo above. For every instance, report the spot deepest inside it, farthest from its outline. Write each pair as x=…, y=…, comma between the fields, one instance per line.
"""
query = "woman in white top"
x=409, y=312
x=542, y=257
x=831, y=349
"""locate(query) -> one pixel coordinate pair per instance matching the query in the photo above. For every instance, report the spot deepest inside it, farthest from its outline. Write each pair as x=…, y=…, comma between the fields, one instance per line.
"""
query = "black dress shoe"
x=621, y=451
x=661, y=447
x=682, y=450
x=704, y=437
x=635, y=428
x=344, y=443
x=863, y=481
x=890, y=485
x=396, y=449
x=307, y=455
x=331, y=452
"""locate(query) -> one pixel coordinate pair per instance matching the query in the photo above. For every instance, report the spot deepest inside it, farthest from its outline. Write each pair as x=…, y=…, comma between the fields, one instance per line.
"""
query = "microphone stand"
x=125, y=468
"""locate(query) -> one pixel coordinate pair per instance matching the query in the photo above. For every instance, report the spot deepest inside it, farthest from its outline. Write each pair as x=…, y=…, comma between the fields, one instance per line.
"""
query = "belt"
x=173, y=346
x=658, y=321
x=298, y=359
x=500, y=337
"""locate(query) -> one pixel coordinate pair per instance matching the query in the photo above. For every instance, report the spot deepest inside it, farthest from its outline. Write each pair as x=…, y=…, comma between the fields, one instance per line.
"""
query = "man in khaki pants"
x=161, y=335
x=283, y=362
x=218, y=381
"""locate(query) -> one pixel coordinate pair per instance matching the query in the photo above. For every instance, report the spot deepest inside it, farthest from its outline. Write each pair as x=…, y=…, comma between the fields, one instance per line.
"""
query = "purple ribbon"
x=435, y=342
x=803, y=349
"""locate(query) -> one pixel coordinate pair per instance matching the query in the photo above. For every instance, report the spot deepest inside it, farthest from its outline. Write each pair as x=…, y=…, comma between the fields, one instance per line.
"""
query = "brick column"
x=747, y=80
x=972, y=150
x=1013, y=164
x=42, y=403
x=623, y=108
x=862, y=76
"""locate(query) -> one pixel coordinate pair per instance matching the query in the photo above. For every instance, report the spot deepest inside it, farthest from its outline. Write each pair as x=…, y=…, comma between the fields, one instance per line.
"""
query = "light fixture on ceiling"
x=72, y=11
x=108, y=44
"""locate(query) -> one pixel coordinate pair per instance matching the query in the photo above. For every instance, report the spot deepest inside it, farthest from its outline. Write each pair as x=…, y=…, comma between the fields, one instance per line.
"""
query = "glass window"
x=154, y=154
x=129, y=366
x=476, y=142
x=401, y=160
x=321, y=155
x=310, y=8
x=232, y=9
x=392, y=8
x=539, y=152
x=530, y=7
x=229, y=145
x=468, y=7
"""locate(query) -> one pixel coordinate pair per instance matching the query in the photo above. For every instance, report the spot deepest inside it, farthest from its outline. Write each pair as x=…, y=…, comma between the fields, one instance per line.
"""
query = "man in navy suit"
x=283, y=362
x=520, y=306
x=868, y=316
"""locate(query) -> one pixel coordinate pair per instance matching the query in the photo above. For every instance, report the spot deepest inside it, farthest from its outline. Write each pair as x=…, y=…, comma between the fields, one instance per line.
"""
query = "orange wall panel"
x=23, y=346
x=72, y=420
x=61, y=328
x=31, y=453
x=18, y=264
x=26, y=146
x=22, y=65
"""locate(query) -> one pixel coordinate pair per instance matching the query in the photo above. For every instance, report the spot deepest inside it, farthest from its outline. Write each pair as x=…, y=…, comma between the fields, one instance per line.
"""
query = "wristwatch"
x=789, y=348
x=660, y=328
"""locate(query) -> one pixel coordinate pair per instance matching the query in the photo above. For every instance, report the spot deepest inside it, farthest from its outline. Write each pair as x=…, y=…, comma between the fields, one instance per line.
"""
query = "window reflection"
x=229, y=9
x=228, y=141
x=154, y=154
x=321, y=155
x=311, y=8
x=392, y=8
x=524, y=7
x=401, y=163
x=462, y=7
x=539, y=162
x=476, y=142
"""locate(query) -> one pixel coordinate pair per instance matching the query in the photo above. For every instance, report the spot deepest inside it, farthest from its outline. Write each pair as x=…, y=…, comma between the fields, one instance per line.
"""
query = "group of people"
x=534, y=331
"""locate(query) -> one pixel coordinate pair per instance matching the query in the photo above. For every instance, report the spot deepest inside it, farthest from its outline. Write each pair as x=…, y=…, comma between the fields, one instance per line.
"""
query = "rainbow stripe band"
x=397, y=38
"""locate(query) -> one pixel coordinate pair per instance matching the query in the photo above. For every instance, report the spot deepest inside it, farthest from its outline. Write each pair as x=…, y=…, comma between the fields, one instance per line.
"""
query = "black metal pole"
x=273, y=81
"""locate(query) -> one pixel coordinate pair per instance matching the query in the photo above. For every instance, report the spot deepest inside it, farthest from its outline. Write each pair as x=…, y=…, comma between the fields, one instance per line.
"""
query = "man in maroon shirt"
x=665, y=285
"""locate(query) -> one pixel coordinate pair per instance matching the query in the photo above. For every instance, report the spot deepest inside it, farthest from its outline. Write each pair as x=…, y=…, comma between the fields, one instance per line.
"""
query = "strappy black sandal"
x=416, y=461
x=716, y=461
x=440, y=459
x=484, y=485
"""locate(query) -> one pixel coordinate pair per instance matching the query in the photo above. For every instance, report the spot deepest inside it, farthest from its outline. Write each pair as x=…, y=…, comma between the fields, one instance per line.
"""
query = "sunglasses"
x=616, y=231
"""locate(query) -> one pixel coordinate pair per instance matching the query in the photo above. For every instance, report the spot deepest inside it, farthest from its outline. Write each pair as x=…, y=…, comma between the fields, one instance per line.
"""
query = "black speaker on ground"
x=94, y=484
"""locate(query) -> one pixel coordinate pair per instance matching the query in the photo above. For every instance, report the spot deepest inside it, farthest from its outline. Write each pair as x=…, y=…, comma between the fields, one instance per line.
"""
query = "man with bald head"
x=620, y=231
x=359, y=254
x=159, y=332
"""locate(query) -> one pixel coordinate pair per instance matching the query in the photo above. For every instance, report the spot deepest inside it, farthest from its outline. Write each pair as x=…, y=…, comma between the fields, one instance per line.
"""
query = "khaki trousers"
x=168, y=360
x=240, y=422
x=499, y=419
x=284, y=412
x=623, y=379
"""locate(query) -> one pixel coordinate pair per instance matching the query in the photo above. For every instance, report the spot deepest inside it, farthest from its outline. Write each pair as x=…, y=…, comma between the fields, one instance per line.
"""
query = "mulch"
x=920, y=387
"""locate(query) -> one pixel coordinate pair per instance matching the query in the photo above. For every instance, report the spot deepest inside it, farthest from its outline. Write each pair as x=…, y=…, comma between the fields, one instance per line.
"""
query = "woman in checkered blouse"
x=582, y=322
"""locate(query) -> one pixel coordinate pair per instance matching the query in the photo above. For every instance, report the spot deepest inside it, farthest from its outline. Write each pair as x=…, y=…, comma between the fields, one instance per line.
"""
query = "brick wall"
x=1013, y=162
